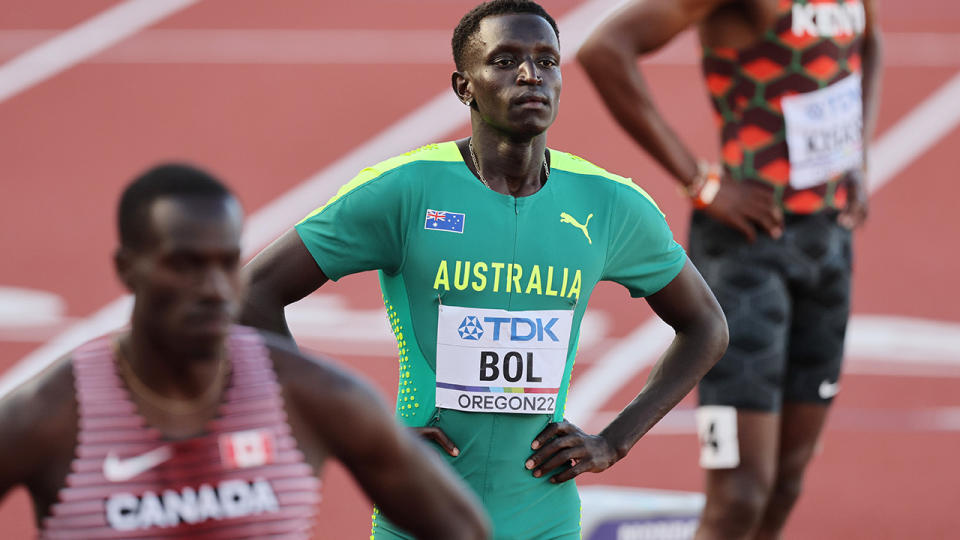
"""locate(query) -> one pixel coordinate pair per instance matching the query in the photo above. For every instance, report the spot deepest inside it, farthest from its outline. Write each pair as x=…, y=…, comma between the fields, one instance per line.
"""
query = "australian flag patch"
x=441, y=220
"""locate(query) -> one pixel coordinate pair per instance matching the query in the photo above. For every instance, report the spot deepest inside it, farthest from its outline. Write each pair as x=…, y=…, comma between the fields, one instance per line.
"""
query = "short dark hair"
x=164, y=180
x=471, y=21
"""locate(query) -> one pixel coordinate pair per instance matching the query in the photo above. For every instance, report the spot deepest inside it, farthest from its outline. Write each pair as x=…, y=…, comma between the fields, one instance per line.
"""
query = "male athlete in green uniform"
x=488, y=249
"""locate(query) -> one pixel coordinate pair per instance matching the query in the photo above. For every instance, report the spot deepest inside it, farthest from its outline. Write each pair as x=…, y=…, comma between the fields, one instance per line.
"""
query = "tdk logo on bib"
x=493, y=360
x=470, y=328
x=509, y=328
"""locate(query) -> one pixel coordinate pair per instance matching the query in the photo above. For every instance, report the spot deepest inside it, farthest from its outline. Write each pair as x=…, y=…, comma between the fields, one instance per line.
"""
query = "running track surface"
x=267, y=120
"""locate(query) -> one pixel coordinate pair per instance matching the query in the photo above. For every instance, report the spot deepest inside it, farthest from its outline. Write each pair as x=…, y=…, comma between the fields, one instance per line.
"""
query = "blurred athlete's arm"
x=609, y=57
x=857, y=208
x=38, y=430
x=687, y=305
x=279, y=275
x=18, y=457
x=407, y=481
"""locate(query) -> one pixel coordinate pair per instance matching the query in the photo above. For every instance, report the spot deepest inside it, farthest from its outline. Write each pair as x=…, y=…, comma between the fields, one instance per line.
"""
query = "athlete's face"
x=186, y=280
x=512, y=73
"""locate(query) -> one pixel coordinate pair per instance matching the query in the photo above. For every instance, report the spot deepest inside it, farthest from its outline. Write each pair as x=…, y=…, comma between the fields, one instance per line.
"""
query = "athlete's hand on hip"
x=744, y=206
x=564, y=444
x=437, y=435
x=855, y=214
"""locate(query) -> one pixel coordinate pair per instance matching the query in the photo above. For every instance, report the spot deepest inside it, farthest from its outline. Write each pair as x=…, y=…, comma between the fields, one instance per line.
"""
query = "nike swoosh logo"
x=827, y=389
x=121, y=470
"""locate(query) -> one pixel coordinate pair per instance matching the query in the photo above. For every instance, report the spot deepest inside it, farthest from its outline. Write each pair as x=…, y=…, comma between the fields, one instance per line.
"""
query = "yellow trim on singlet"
x=449, y=152
x=562, y=161
x=446, y=151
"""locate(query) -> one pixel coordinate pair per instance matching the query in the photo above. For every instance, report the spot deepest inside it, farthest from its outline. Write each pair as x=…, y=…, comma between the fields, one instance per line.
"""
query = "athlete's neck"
x=508, y=165
x=168, y=373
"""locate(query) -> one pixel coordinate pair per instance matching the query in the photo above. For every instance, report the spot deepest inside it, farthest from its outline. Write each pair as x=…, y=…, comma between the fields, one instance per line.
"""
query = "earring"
x=468, y=102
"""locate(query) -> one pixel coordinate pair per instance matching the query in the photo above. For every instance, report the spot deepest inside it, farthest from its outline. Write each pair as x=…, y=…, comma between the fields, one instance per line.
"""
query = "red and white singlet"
x=243, y=478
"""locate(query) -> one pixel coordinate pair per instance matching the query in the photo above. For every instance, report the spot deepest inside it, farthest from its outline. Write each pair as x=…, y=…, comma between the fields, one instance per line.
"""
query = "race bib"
x=492, y=360
x=824, y=132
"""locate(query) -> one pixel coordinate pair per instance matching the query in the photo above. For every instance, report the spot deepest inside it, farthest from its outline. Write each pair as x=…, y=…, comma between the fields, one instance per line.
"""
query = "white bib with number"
x=824, y=132
x=492, y=360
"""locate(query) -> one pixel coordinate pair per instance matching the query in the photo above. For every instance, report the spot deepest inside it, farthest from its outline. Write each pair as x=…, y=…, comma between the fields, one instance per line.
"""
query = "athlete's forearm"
x=693, y=352
x=871, y=62
x=689, y=307
x=615, y=75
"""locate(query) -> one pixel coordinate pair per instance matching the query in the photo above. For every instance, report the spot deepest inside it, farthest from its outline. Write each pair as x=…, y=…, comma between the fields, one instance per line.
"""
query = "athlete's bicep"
x=284, y=271
x=279, y=275
x=687, y=301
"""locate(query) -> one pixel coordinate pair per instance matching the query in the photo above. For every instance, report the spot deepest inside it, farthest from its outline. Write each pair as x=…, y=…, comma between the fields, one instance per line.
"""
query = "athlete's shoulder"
x=565, y=161
x=389, y=173
x=436, y=152
x=444, y=151
x=52, y=384
x=40, y=413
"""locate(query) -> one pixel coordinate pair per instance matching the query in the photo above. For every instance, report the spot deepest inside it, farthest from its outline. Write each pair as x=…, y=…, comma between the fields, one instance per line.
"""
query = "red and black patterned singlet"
x=814, y=44
x=243, y=478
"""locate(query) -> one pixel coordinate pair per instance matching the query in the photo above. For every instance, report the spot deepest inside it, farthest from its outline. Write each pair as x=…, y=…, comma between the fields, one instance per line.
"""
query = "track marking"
x=680, y=420
x=79, y=43
x=918, y=131
x=437, y=118
x=904, y=339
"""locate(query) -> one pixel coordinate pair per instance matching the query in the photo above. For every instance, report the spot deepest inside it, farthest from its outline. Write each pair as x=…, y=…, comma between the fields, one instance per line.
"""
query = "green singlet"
x=485, y=293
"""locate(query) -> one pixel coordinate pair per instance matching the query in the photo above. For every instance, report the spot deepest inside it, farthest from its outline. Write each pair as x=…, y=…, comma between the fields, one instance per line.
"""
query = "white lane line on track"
x=899, y=146
x=680, y=421
x=438, y=117
x=397, y=46
x=79, y=43
x=904, y=340
x=918, y=131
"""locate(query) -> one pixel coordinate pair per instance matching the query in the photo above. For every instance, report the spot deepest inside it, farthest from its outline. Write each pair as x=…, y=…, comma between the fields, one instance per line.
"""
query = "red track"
x=70, y=143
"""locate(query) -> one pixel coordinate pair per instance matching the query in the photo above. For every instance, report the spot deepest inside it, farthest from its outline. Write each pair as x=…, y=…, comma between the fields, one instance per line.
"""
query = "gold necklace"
x=476, y=164
x=206, y=399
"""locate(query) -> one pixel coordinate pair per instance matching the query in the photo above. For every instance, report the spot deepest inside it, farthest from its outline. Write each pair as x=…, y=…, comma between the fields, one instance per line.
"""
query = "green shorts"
x=493, y=450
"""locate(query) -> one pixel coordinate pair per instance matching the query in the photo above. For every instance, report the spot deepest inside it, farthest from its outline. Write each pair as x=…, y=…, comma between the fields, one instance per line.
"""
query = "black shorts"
x=787, y=302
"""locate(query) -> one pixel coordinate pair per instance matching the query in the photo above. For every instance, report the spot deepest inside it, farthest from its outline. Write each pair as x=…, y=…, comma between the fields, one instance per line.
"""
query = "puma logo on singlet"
x=567, y=218
x=121, y=470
